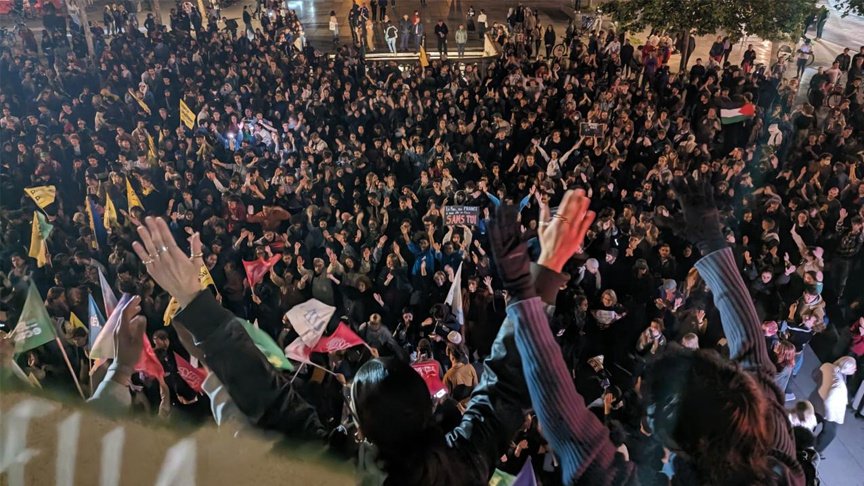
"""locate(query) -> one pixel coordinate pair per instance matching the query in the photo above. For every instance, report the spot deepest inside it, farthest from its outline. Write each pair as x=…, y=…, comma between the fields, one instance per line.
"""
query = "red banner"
x=342, y=338
x=430, y=371
x=193, y=376
x=256, y=269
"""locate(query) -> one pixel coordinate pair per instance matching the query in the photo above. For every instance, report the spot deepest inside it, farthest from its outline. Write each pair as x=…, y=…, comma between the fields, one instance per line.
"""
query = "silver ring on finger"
x=148, y=261
x=544, y=223
x=162, y=249
x=562, y=218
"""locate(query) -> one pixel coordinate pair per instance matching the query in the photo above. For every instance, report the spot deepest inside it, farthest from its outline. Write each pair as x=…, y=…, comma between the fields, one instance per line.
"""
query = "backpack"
x=809, y=460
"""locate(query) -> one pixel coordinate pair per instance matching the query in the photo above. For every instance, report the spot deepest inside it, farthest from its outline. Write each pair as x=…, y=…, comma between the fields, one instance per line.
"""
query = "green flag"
x=500, y=478
x=268, y=347
x=35, y=327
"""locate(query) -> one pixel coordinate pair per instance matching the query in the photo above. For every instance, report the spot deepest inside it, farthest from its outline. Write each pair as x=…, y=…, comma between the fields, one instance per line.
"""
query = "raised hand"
x=172, y=269
x=563, y=235
x=129, y=339
x=701, y=216
x=511, y=253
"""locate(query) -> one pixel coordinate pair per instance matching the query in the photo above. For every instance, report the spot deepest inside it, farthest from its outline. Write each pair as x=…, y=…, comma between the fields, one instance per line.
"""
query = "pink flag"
x=148, y=362
x=342, y=338
x=193, y=376
x=298, y=351
x=256, y=269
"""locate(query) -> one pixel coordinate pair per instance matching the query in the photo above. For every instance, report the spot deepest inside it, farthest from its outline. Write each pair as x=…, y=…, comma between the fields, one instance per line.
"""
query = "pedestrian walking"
x=821, y=19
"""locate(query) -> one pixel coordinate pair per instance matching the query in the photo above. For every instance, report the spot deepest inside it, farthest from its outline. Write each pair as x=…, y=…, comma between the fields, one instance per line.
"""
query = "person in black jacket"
x=441, y=32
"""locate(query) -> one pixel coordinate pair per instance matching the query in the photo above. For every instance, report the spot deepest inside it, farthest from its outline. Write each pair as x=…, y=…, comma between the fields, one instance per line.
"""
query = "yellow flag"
x=140, y=102
x=131, y=197
x=173, y=306
x=75, y=322
x=151, y=147
x=110, y=216
x=205, y=278
x=170, y=311
x=38, y=235
x=187, y=116
x=424, y=59
x=42, y=195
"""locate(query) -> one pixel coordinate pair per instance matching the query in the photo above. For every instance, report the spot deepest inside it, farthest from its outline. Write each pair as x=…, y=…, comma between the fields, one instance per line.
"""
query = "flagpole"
x=299, y=369
x=320, y=368
x=69, y=364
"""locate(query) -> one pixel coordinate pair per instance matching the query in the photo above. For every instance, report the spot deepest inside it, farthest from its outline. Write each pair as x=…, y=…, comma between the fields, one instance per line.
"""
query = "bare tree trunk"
x=88, y=36
x=685, y=52
x=775, y=51
x=157, y=12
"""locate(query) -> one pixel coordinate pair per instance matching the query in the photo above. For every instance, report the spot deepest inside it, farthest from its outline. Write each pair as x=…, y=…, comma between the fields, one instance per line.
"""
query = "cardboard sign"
x=456, y=215
x=592, y=129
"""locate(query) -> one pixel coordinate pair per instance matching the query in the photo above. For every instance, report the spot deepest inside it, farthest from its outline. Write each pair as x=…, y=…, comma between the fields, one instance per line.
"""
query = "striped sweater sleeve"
x=737, y=314
x=578, y=438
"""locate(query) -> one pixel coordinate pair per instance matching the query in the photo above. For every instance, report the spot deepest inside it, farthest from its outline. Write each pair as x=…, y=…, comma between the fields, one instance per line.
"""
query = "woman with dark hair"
x=461, y=378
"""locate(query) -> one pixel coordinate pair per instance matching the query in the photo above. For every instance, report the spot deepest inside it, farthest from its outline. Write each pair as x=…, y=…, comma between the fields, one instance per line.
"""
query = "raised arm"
x=737, y=314
x=498, y=403
x=262, y=393
x=578, y=438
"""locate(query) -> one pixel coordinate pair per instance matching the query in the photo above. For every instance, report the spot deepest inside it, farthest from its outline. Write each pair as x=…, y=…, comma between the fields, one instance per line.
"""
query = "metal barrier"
x=480, y=57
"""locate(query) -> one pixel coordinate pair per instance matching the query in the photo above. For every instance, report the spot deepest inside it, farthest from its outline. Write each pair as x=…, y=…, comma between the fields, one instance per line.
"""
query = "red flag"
x=193, y=376
x=430, y=371
x=342, y=338
x=256, y=269
x=148, y=362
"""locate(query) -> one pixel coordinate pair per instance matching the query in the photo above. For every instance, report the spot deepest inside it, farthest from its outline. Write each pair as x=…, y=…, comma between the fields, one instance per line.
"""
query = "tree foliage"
x=768, y=19
x=850, y=7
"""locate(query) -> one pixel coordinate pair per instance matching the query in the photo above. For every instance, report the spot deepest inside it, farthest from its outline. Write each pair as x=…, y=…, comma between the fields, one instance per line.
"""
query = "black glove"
x=511, y=253
x=701, y=216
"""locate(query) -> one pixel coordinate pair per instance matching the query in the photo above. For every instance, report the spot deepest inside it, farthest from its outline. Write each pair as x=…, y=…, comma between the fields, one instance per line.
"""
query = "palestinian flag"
x=729, y=116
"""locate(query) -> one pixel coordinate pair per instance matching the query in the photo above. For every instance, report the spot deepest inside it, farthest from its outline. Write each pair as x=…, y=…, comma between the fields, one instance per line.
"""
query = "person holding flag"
x=39, y=239
x=390, y=402
x=35, y=328
x=97, y=225
x=43, y=196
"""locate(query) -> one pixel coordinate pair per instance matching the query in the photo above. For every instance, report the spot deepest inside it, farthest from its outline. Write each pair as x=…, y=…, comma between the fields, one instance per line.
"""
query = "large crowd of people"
x=692, y=235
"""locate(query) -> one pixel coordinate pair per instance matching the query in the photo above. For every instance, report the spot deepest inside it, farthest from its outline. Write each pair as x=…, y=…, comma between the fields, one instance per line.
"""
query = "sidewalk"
x=844, y=458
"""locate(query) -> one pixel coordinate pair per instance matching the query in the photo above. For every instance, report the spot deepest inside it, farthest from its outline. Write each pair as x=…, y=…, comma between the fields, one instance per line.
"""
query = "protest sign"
x=592, y=130
x=456, y=215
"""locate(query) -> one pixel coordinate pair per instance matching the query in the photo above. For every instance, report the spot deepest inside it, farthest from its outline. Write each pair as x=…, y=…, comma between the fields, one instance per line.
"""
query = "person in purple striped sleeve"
x=723, y=419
